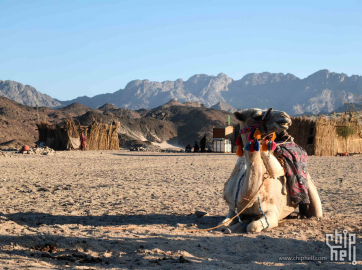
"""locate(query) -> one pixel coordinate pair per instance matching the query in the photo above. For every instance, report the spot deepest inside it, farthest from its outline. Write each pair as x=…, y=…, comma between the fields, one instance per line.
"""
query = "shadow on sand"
x=32, y=219
x=136, y=249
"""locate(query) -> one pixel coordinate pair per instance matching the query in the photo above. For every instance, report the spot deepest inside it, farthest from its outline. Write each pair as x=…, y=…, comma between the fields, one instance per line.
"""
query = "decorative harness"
x=257, y=125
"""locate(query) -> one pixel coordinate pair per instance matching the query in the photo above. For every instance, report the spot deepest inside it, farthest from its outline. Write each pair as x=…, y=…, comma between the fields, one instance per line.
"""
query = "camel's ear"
x=239, y=116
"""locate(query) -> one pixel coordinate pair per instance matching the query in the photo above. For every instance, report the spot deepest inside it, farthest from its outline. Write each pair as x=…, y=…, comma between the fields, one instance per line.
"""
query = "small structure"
x=66, y=136
x=222, y=138
x=319, y=137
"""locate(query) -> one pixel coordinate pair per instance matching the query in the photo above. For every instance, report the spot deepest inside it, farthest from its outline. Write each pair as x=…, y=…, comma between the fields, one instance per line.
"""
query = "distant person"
x=82, y=142
x=209, y=149
x=203, y=144
x=188, y=148
x=196, y=147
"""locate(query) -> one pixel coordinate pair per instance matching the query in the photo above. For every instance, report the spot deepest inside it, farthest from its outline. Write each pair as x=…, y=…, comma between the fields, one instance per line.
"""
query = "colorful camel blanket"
x=295, y=160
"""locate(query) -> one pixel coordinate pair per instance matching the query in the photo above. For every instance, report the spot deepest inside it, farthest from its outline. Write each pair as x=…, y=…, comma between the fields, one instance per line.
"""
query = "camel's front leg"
x=236, y=228
x=262, y=224
x=227, y=221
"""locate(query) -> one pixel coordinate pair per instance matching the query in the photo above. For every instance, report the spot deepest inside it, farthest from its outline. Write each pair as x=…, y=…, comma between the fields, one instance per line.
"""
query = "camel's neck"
x=254, y=171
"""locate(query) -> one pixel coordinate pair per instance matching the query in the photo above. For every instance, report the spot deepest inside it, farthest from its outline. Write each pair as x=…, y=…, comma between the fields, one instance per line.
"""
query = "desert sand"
x=127, y=210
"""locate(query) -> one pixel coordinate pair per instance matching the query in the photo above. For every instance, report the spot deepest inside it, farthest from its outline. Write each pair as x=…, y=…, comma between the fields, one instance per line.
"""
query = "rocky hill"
x=223, y=106
x=175, y=123
x=76, y=109
x=349, y=107
x=107, y=106
x=18, y=122
x=26, y=94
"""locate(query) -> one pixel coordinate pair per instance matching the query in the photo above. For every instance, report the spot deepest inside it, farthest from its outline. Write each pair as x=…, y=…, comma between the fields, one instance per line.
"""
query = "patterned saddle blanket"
x=295, y=161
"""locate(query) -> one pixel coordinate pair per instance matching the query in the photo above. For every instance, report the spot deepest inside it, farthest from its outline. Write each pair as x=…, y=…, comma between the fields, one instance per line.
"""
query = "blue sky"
x=74, y=48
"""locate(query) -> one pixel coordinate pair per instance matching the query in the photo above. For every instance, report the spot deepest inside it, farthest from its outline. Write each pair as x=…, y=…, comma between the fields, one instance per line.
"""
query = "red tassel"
x=238, y=141
x=273, y=146
x=251, y=149
x=251, y=136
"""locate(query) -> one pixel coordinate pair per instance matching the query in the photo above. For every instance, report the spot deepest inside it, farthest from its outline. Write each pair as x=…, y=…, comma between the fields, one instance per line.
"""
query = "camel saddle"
x=294, y=160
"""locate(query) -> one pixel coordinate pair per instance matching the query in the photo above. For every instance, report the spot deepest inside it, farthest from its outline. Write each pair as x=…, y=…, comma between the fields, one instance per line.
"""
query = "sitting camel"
x=258, y=182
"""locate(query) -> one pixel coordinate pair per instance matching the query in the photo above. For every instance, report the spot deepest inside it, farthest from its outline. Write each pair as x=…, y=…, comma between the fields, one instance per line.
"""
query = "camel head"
x=276, y=121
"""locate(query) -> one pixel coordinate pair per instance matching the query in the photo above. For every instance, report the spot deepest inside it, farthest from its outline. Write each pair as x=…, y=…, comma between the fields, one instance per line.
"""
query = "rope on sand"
x=228, y=221
x=195, y=230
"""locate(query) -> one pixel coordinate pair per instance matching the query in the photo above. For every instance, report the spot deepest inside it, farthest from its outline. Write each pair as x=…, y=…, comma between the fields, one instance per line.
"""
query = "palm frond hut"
x=319, y=137
x=66, y=136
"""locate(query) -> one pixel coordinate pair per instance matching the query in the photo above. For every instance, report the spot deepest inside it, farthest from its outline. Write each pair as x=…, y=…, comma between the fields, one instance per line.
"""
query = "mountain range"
x=320, y=92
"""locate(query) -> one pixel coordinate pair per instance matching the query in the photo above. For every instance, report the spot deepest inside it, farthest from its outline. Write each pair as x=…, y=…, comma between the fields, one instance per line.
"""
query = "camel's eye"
x=258, y=118
x=258, y=115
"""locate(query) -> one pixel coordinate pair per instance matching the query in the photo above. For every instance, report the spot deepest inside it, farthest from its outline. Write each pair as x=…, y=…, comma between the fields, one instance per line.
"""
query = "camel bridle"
x=257, y=125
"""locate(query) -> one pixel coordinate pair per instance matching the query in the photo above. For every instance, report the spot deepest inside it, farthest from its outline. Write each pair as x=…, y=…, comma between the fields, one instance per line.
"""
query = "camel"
x=272, y=202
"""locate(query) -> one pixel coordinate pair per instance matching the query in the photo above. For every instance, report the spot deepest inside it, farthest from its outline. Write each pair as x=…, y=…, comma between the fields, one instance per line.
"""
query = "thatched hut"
x=319, y=136
x=66, y=136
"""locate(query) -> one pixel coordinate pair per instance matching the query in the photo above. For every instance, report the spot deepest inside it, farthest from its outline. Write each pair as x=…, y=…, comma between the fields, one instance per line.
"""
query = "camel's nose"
x=286, y=116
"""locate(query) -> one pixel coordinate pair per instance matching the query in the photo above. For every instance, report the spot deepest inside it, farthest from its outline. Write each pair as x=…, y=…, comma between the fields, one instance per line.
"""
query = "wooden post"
x=37, y=111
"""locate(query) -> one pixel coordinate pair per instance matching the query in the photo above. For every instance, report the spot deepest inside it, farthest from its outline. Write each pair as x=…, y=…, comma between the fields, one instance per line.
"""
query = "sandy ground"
x=56, y=213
